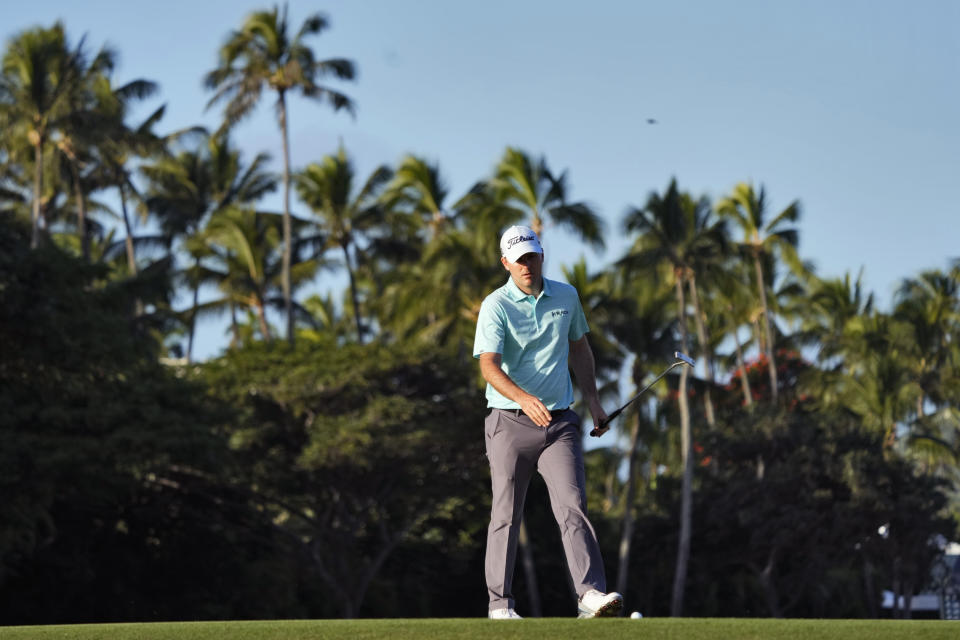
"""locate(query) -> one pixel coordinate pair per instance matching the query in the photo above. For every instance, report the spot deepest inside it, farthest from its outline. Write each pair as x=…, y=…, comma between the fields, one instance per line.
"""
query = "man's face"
x=527, y=271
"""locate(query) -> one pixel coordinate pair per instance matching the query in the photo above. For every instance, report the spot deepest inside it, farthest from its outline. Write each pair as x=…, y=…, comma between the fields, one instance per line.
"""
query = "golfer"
x=528, y=331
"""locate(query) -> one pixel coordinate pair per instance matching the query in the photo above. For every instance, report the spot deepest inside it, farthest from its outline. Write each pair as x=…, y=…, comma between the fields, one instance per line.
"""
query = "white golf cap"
x=517, y=241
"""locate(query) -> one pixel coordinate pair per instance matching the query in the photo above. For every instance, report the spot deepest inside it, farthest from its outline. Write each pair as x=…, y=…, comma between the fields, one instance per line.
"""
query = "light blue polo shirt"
x=533, y=337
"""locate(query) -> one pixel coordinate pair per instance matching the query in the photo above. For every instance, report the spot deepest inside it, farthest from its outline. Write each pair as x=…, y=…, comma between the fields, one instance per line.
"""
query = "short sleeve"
x=578, y=323
x=490, y=330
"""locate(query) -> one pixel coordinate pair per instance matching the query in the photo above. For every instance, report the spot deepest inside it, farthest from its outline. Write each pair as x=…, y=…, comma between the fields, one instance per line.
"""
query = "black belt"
x=554, y=413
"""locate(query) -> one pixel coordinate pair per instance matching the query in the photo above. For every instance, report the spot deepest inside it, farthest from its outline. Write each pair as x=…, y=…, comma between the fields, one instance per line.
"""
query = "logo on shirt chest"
x=559, y=312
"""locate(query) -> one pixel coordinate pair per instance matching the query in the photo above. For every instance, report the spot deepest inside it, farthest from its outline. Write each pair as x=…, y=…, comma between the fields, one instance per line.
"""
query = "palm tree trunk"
x=908, y=600
x=81, y=213
x=536, y=224
x=353, y=293
x=704, y=350
x=530, y=571
x=234, y=326
x=131, y=254
x=771, y=364
x=744, y=381
x=758, y=335
x=868, y=588
x=895, y=587
x=768, y=586
x=683, y=546
x=37, y=190
x=262, y=317
x=193, y=312
x=627, y=526
x=287, y=226
x=128, y=241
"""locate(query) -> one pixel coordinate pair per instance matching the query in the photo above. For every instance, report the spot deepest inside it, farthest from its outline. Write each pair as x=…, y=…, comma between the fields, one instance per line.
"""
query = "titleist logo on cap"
x=517, y=239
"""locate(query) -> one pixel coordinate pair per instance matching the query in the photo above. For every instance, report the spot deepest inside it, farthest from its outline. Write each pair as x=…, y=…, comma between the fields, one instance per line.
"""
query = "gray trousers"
x=515, y=448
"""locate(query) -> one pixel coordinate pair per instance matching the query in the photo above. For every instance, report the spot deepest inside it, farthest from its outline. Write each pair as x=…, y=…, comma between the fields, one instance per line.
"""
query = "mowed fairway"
x=549, y=628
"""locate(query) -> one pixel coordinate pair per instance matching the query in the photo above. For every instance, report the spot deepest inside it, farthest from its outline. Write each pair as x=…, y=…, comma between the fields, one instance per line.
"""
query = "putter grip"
x=604, y=423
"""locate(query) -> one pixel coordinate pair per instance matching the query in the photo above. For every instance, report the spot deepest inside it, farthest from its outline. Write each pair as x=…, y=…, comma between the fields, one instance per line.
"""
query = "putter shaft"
x=681, y=359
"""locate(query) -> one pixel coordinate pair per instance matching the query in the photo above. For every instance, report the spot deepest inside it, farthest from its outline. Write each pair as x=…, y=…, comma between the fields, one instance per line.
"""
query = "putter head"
x=682, y=357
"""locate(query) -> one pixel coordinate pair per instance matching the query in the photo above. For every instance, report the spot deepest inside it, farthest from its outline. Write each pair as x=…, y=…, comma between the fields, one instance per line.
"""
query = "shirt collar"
x=517, y=295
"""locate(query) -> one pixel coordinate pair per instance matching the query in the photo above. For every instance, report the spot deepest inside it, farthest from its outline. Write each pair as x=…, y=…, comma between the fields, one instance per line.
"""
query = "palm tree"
x=831, y=305
x=527, y=187
x=327, y=188
x=761, y=239
x=604, y=303
x=628, y=315
x=263, y=55
x=98, y=147
x=418, y=189
x=326, y=319
x=684, y=233
x=11, y=197
x=245, y=255
x=877, y=382
x=733, y=306
x=121, y=147
x=118, y=153
x=452, y=253
x=184, y=190
x=930, y=304
x=42, y=88
x=455, y=269
x=678, y=231
x=244, y=242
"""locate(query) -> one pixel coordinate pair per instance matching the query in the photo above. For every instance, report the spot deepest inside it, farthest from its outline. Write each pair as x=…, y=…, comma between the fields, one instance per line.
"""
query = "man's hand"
x=535, y=410
x=530, y=405
x=599, y=416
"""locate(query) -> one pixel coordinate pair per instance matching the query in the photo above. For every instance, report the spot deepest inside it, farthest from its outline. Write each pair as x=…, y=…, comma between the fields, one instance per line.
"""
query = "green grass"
x=454, y=629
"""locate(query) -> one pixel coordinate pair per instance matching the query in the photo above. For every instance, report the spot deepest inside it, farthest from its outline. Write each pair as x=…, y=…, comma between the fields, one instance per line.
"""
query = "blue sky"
x=850, y=107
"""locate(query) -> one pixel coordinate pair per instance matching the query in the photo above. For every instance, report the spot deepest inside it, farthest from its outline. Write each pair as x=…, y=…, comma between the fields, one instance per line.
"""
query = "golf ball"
x=636, y=615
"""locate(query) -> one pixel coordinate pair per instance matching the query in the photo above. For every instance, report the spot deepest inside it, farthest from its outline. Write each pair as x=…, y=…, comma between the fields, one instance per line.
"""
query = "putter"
x=681, y=358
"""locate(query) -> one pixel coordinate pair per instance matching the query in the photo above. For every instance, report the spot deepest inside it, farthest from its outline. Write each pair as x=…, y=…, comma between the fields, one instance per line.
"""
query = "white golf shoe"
x=594, y=604
x=503, y=614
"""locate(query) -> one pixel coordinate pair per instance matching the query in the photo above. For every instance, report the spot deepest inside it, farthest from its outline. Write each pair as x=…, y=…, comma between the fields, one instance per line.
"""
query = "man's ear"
x=503, y=261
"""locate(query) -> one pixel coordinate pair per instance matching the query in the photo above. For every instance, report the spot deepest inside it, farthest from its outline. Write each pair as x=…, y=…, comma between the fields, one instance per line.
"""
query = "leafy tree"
x=263, y=55
x=110, y=503
x=791, y=502
x=355, y=450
